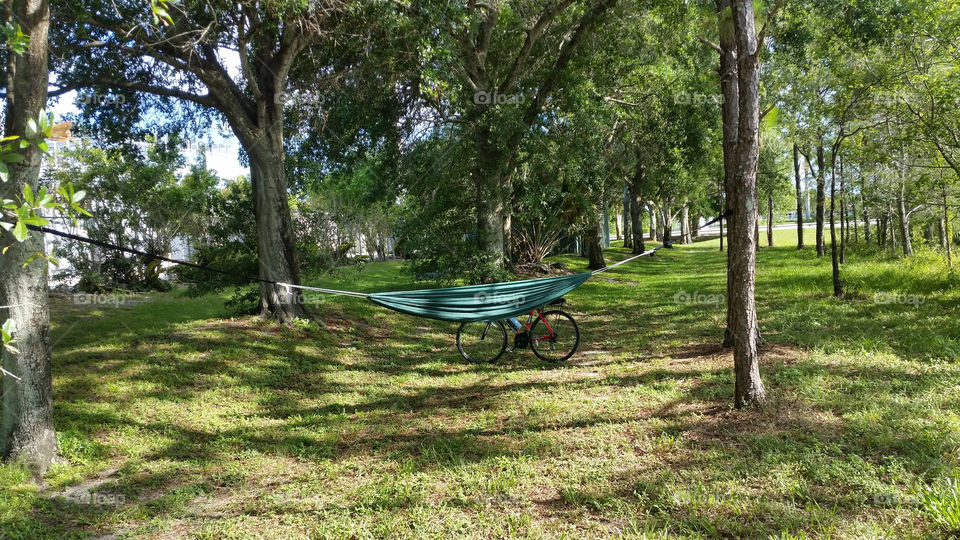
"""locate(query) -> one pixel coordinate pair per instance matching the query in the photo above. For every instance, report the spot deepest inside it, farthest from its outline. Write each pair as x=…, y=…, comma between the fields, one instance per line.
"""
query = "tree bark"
x=741, y=257
x=821, y=201
x=666, y=219
x=685, y=225
x=26, y=427
x=730, y=116
x=636, y=204
x=627, y=217
x=594, y=247
x=721, y=205
x=277, y=248
x=797, y=181
x=770, y=219
x=866, y=213
x=654, y=230
x=948, y=236
x=904, y=222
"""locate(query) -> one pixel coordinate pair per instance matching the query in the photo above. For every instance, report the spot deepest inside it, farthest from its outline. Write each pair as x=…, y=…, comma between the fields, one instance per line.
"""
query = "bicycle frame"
x=539, y=314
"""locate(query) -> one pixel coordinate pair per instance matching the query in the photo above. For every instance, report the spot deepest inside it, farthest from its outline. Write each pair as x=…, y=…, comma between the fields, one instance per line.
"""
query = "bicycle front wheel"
x=481, y=341
x=554, y=336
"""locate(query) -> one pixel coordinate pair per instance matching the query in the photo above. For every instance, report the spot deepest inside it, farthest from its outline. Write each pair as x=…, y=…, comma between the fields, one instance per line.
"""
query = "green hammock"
x=480, y=302
x=472, y=303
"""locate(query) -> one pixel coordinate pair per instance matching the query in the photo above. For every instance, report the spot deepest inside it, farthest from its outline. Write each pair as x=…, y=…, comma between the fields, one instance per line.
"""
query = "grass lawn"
x=176, y=422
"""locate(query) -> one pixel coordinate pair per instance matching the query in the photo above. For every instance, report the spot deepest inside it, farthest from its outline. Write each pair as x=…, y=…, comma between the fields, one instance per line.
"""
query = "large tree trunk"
x=488, y=180
x=797, y=180
x=627, y=217
x=666, y=218
x=730, y=116
x=821, y=201
x=770, y=219
x=276, y=241
x=741, y=257
x=636, y=204
x=26, y=428
x=594, y=246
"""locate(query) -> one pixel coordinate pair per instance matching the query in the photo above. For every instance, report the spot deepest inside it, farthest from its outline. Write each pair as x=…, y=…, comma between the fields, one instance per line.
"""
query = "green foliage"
x=226, y=239
x=141, y=201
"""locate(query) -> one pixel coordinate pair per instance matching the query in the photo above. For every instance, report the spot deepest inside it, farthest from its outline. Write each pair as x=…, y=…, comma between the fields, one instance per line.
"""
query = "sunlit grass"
x=177, y=422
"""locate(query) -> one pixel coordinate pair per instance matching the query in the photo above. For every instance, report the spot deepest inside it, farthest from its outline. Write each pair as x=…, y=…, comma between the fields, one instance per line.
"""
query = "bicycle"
x=553, y=336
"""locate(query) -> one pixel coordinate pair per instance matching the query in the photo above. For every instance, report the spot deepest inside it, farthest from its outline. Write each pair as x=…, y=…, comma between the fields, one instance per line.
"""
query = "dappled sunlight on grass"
x=367, y=423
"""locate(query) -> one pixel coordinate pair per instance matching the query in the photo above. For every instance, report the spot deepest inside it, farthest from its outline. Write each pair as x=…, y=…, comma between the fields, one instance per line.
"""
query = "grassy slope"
x=185, y=424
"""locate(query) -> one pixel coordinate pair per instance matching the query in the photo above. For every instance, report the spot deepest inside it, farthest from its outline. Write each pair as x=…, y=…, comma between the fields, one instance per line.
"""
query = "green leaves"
x=16, y=40
x=6, y=334
x=161, y=12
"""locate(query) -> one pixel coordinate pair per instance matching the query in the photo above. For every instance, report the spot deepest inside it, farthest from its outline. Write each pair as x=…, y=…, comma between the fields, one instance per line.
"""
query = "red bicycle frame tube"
x=540, y=316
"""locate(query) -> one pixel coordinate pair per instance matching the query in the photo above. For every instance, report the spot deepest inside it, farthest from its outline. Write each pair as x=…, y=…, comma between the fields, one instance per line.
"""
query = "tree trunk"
x=770, y=219
x=636, y=204
x=866, y=213
x=856, y=222
x=26, y=427
x=730, y=116
x=594, y=246
x=834, y=256
x=276, y=241
x=948, y=236
x=666, y=218
x=843, y=216
x=904, y=221
x=685, y=225
x=627, y=217
x=721, y=206
x=741, y=257
x=797, y=181
x=489, y=214
x=821, y=201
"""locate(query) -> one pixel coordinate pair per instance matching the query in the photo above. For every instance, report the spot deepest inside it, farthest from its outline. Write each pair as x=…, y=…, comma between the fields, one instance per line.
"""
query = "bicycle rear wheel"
x=558, y=339
x=481, y=341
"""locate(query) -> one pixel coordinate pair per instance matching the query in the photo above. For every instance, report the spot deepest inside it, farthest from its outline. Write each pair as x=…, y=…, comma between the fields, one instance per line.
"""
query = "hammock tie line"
x=489, y=302
x=647, y=253
x=322, y=290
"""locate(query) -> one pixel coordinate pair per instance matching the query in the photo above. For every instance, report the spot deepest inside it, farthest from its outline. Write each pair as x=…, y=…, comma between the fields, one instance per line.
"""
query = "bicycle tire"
x=502, y=339
x=537, y=344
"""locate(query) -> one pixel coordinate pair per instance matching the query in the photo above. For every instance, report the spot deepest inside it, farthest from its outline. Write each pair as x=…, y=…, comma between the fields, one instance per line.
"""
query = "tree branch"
x=204, y=100
x=711, y=44
x=533, y=34
x=771, y=18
